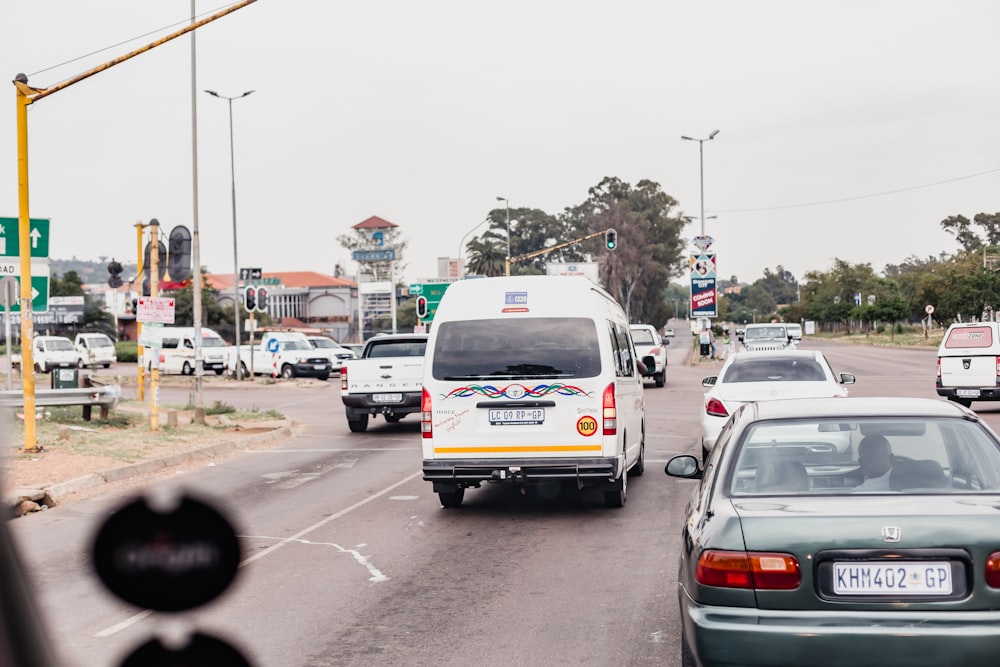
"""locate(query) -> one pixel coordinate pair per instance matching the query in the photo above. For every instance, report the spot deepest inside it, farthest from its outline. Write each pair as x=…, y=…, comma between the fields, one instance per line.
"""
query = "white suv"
x=647, y=342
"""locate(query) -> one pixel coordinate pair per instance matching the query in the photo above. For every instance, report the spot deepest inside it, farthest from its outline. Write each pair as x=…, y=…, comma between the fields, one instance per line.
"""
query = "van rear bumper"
x=472, y=472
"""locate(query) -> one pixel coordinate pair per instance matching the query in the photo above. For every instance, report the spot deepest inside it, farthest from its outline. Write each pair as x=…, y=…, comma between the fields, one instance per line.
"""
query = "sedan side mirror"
x=685, y=466
x=846, y=378
x=709, y=381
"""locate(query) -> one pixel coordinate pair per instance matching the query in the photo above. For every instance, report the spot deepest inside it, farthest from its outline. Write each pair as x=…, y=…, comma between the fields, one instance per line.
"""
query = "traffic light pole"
x=545, y=251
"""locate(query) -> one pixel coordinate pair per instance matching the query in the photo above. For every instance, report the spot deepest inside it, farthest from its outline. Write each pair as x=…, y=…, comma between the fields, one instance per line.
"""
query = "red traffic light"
x=250, y=298
x=422, y=307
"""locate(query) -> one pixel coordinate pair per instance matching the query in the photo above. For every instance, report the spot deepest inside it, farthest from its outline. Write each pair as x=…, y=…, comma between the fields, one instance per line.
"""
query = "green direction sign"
x=10, y=237
x=432, y=291
x=39, y=296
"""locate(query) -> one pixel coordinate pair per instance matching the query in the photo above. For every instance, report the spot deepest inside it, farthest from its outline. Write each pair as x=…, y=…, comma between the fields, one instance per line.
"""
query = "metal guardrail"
x=104, y=397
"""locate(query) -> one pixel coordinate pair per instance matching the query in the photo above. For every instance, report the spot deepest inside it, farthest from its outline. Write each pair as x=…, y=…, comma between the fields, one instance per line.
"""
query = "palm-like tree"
x=486, y=256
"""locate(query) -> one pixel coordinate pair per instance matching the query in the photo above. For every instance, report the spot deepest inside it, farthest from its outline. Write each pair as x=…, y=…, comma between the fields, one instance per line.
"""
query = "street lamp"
x=507, y=263
x=236, y=261
x=701, y=166
x=461, y=243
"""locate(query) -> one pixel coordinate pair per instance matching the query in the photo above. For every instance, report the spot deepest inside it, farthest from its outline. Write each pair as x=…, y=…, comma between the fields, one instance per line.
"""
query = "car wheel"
x=452, y=498
x=186, y=369
x=80, y=364
x=287, y=372
x=619, y=493
x=107, y=365
x=218, y=371
x=324, y=377
x=687, y=658
x=660, y=378
x=393, y=419
x=244, y=370
x=359, y=425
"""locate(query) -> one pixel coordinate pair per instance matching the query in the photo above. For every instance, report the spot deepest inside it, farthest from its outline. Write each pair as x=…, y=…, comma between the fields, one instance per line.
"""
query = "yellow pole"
x=154, y=290
x=141, y=373
x=24, y=252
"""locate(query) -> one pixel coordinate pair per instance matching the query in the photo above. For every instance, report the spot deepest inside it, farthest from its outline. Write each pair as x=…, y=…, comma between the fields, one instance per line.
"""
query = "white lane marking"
x=403, y=497
x=377, y=576
x=132, y=620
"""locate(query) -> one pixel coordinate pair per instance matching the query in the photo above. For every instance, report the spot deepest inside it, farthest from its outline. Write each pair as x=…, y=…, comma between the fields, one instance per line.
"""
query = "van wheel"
x=287, y=372
x=966, y=402
x=186, y=369
x=639, y=466
x=244, y=370
x=359, y=425
x=218, y=371
x=80, y=364
x=452, y=498
x=660, y=378
x=619, y=493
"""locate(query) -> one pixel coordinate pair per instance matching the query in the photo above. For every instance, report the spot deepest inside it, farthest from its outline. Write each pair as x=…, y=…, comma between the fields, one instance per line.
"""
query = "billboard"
x=704, y=295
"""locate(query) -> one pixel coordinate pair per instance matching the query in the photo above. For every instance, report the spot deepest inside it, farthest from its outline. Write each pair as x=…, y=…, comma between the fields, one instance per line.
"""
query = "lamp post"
x=507, y=262
x=461, y=243
x=236, y=261
x=701, y=169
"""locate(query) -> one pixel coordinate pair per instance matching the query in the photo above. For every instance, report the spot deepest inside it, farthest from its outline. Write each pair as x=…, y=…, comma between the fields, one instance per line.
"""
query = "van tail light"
x=715, y=408
x=993, y=570
x=426, y=414
x=998, y=371
x=343, y=378
x=756, y=570
x=610, y=410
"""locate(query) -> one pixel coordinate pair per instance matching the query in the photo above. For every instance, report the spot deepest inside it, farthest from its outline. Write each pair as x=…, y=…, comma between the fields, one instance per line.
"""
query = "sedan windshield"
x=874, y=455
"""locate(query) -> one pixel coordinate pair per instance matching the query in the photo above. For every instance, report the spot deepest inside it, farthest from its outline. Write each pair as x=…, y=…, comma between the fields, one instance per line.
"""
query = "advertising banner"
x=704, y=296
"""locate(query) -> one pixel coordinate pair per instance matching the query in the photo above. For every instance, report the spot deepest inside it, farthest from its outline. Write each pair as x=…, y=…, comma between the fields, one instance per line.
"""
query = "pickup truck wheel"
x=619, y=494
x=80, y=364
x=287, y=371
x=218, y=371
x=392, y=419
x=965, y=402
x=244, y=371
x=660, y=378
x=186, y=369
x=324, y=377
x=359, y=425
x=452, y=498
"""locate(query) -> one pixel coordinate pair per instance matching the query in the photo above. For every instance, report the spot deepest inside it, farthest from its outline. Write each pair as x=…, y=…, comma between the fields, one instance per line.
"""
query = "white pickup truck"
x=386, y=380
x=282, y=353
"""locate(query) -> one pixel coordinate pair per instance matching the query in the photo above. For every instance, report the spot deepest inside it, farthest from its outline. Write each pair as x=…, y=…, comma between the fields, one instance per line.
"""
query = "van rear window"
x=517, y=348
x=969, y=337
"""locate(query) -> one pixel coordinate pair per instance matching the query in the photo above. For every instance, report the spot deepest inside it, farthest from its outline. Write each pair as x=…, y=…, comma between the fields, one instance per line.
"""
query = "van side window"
x=170, y=343
x=616, y=349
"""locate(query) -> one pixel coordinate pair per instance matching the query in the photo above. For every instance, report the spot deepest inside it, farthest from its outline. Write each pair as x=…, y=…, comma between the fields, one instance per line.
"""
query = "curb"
x=51, y=495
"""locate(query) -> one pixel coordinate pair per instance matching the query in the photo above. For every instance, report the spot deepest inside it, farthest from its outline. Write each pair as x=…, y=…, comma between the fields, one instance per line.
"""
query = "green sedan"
x=843, y=531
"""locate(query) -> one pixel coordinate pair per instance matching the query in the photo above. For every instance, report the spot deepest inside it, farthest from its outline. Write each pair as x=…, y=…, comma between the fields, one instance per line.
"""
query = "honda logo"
x=891, y=534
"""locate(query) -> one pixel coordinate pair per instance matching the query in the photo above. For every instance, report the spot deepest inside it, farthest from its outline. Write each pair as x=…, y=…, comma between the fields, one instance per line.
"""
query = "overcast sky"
x=424, y=112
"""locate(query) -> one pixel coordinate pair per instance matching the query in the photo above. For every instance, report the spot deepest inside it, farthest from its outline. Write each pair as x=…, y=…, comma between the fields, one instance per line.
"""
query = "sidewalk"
x=85, y=459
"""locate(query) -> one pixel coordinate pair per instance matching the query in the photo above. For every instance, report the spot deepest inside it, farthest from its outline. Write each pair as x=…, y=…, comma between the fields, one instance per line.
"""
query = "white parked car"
x=49, y=352
x=95, y=349
x=332, y=350
x=748, y=377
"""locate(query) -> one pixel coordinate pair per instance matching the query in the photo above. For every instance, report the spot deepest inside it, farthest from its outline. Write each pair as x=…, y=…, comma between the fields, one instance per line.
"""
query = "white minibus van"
x=531, y=380
x=177, y=351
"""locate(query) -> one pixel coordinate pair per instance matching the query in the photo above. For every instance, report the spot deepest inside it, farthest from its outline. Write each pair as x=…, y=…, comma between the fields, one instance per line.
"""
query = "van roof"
x=529, y=295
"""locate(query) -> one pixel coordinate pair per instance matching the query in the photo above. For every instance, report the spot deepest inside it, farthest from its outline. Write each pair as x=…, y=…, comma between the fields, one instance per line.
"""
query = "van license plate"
x=387, y=398
x=516, y=416
x=967, y=393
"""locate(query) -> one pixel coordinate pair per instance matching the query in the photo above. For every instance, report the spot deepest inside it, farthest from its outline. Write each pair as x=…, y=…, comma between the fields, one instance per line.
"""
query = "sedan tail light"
x=755, y=570
x=715, y=408
x=993, y=570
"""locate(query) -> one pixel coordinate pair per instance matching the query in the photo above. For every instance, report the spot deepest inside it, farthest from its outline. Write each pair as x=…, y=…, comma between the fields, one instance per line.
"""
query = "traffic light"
x=262, y=299
x=250, y=298
x=611, y=239
x=421, y=307
x=114, y=274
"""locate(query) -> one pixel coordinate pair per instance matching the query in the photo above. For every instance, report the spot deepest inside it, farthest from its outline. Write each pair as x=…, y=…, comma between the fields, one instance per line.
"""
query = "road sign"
x=273, y=345
x=10, y=237
x=39, y=285
x=250, y=274
x=155, y=309
x=929, y=309
x=432, y=291
x=151, y=334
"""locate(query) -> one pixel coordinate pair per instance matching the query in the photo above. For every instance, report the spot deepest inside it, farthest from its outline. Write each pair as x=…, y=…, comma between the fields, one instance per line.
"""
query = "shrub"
x=127, y=351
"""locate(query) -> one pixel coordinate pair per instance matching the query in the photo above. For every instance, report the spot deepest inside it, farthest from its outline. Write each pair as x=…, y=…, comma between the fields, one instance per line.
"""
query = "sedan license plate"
x=967, y=393
x=387, y=398
x=898, y=578
x=516, y=416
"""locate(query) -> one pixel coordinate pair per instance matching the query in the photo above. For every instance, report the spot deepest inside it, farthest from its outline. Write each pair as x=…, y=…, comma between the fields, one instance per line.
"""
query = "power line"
x=123, y=42
x=845, y=199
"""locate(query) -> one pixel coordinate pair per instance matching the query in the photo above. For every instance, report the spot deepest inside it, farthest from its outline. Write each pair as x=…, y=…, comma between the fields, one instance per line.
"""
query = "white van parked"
x=49, y=352
x=95, y=349
x=531, y=380
x=177, y=351
x=968, y=364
